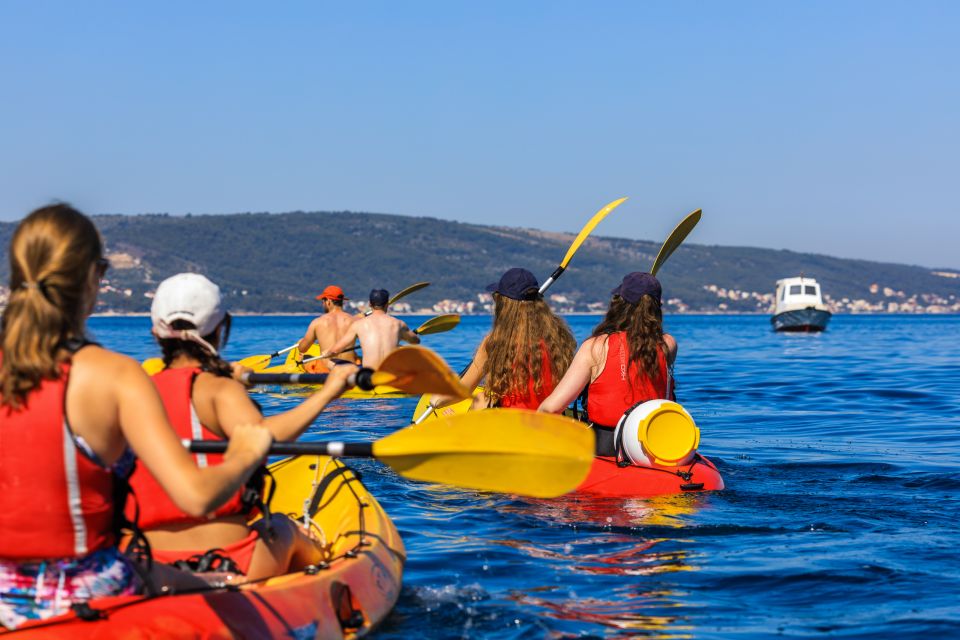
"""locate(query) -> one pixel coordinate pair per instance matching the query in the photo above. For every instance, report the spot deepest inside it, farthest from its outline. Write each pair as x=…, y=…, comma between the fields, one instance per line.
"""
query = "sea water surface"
x=841, y=516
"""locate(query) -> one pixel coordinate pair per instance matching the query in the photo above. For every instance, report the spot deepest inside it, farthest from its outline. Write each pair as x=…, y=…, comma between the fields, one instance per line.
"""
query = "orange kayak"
x=608, y=479
x=344, y=597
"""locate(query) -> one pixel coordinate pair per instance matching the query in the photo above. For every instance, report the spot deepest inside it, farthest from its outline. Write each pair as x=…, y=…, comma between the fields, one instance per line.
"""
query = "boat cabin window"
x=811, y=290
x=796, y=289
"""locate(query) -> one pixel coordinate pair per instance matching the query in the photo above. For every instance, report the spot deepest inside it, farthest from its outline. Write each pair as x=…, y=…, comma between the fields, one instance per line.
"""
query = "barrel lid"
x=669, y=434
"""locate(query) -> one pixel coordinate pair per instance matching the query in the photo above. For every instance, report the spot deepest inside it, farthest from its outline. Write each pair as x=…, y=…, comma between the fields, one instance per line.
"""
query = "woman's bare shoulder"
x=211, y=384
x=98, y=357
x=96, y=371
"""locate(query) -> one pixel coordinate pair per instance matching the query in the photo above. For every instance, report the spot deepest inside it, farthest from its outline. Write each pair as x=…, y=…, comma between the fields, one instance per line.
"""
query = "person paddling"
x=205, y=403
x=627, y=360
x=72, y=412
x=527, y=350
x=328, y=328
x=379, y=333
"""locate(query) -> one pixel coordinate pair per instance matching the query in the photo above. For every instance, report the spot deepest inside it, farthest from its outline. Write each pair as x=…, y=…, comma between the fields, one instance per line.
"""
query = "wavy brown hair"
x=643, y=323
x=513, y=346
x=51, y=255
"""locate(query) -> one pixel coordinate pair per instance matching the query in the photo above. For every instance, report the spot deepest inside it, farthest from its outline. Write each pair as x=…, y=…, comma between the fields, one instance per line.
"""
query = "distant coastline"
x=459, y=260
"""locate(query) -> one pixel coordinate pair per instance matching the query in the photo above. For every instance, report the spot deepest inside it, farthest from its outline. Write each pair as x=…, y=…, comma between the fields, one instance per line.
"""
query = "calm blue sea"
x=841, y=517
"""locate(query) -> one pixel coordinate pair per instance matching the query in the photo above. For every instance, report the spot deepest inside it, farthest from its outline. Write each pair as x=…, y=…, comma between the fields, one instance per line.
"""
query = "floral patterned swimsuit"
x=47, y=588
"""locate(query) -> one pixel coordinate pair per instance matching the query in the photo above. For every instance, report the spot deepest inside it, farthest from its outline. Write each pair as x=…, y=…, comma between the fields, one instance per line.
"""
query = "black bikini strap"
x=74, y=343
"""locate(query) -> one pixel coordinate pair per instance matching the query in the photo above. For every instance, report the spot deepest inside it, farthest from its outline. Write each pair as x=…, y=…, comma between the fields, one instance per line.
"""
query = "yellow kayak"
x=454, y=409
x=291, y=366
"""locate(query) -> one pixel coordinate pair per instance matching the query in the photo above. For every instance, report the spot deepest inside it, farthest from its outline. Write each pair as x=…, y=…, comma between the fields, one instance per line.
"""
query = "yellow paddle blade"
x=257, y=362
x=382, y=378
x=405, y=292
x=419, y=370
x=506, y=450
x=677, y=236
x=438, y=324
x=589, y=227
x=152, y=366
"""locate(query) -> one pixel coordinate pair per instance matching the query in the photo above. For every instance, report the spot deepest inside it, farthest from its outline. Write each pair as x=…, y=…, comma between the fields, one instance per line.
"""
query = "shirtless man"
x=379, y=333
x=328, y=328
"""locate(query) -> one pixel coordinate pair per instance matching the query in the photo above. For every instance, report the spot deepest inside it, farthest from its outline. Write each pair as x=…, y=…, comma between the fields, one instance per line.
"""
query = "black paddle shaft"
x=363, y=378
x=345, y=449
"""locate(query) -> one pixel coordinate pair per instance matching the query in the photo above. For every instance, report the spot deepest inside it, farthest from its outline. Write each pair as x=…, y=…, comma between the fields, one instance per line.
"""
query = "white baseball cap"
x=191, y=297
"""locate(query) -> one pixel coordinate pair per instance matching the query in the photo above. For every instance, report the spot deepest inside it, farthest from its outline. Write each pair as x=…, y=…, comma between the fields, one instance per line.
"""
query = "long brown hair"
x=513, y=346
x=643, y=323
x=51, y=254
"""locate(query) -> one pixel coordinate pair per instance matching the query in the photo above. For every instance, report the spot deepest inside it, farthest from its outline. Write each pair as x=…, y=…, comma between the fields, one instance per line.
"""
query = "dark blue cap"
x=379, y=297
x=638, y=284
x=518, y=284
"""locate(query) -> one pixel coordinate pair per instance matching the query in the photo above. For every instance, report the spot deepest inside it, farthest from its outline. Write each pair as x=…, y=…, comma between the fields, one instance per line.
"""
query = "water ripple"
x=839, y=452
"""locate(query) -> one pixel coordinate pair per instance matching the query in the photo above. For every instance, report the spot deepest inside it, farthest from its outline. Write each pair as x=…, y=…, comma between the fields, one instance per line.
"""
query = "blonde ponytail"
x=51, y=254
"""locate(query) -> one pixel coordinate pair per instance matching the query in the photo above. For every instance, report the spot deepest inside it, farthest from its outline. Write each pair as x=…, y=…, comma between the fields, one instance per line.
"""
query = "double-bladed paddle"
x=412, y=369
x=506, y=450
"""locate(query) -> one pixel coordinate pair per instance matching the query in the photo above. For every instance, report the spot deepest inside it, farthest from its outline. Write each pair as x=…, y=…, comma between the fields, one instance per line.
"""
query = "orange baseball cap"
x=333, y=292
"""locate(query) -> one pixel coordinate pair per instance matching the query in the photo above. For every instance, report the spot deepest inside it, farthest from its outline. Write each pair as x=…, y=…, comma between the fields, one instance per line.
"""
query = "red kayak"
x=607, y=479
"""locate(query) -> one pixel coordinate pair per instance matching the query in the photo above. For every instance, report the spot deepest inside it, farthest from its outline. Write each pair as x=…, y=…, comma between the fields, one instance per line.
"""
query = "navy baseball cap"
x=638, y=284
x=518, y=284
x=379, y=297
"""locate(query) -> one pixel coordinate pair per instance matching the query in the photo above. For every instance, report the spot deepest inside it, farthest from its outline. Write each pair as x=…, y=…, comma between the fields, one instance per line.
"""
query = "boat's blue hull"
x=801, y=320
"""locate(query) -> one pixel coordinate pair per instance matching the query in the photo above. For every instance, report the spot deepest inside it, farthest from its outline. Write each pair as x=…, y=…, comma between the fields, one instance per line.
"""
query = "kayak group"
x=99, y=497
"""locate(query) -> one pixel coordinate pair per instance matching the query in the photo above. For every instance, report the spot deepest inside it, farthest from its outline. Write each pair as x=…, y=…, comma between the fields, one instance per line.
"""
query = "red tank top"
x=615, y=390
x=156, y=508
x=531, y=399
x=55, y=502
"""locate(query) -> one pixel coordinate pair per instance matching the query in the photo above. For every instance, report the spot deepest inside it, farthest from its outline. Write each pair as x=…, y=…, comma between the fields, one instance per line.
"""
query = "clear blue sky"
x=829, y=127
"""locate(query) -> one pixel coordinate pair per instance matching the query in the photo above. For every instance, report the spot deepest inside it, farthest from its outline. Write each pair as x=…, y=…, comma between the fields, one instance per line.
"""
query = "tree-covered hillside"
x=279, y=262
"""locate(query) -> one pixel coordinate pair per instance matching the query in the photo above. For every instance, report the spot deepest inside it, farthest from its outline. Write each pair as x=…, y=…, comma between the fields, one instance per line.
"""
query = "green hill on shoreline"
x=279, y=262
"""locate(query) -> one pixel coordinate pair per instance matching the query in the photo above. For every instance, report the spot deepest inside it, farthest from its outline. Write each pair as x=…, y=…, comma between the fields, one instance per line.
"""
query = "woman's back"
x=622, y=383
x=56, y=499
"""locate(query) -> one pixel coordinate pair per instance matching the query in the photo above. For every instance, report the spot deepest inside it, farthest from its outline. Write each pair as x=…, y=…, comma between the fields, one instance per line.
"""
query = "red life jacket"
x=156, y=507
x=531, y=399
x=55, y=502
x=616, y=389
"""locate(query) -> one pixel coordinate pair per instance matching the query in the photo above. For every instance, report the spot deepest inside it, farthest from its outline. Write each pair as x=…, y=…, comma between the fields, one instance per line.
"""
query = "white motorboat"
x=799, y=306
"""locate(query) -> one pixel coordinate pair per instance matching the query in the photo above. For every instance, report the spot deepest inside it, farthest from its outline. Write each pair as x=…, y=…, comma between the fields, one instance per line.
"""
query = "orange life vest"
x=55, y=502
x=156, y=508
x=619, y=387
